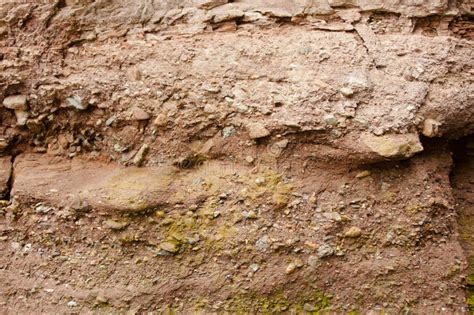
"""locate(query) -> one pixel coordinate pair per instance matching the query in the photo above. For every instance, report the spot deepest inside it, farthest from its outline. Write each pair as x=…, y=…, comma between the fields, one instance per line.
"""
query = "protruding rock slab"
x=102, y=186
x=111, y=187
x=399, y=146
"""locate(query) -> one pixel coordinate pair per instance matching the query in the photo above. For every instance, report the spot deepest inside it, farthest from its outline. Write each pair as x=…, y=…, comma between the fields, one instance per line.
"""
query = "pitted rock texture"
x=233, y=156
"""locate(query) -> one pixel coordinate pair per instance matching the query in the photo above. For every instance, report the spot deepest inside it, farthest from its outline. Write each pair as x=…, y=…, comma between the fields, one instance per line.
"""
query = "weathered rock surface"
x=243, y=156
x=5, y=174
x=106, y=187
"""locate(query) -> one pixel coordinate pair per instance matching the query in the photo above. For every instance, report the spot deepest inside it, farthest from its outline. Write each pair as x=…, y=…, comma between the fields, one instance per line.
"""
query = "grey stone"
x=228, y=131
x=43, y=208
x=325, y=250
x=262, y=244
x=140, y=156
x=76, y=102
x=254, y=267
x=332, y=216
x=110, y=121
x=330, y=119
x=313, y=261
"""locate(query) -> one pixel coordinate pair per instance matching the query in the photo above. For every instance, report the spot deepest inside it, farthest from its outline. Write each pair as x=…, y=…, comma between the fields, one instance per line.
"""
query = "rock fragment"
x=393, y=146
x=363, y=174
x=257, y=131
x=249, y=159
x=140, y=156
x=139, y=114
x=250, y=215
x=160, y=121
x=309, y=308
x=313, y=261
x=334, y=216
x=290, y=268
x=4, y=144
x=430, y=128
x=330, y=119
x=76, y=102
x=282, y=144
x=209, y=4
x=21, y=117
x=353, y=232
x=101, y=299
x=227, y=15
x=43, y=208
x=19, y=104
x=116, y=225
x=346, y=91
x=228, y=131
x=16, y=102
x=325, y=250
x=170, y=247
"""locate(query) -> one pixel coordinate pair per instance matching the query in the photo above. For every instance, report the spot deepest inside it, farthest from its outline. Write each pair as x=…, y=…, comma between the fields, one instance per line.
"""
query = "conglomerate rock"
x=233, y=156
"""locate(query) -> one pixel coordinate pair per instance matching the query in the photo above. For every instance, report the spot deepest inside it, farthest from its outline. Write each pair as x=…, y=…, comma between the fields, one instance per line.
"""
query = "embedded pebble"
x=325, y=250
x=290, y=268
x=16, y=102
x=170, y=247
x=140, y=156
x=139, y=114
x=363, y=174
x=76, y=102
x=116, y=225
x=353, y=232
x=257, y=130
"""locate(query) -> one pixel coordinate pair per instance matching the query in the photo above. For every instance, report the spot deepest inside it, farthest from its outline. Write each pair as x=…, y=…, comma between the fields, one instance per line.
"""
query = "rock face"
x=247, y=156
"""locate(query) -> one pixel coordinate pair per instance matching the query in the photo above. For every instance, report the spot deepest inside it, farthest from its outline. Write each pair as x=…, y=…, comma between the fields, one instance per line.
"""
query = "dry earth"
x=218, y=156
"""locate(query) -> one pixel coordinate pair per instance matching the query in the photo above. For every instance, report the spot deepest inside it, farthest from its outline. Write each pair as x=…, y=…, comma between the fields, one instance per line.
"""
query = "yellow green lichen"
x=470, y=300
x=272, y=186
x=416, y=208
x=470, y=280
x=312, y=303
